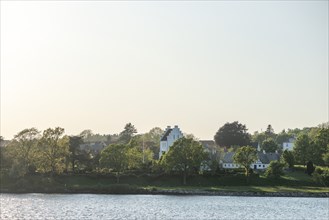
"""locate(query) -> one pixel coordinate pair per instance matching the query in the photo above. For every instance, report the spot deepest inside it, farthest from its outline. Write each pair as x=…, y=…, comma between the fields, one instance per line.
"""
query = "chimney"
x=176, y=126
x=168, y=127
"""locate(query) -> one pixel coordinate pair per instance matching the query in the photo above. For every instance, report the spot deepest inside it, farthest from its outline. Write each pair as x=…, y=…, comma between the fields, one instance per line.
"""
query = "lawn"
x=293, y=181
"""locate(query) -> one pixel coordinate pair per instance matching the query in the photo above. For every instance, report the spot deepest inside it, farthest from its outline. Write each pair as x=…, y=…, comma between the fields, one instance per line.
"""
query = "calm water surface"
x=90, y=206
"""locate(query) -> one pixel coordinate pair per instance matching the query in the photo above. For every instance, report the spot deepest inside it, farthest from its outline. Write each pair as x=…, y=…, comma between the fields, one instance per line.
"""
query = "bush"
x=274, y=170
x=321, y=176
x=310, y=168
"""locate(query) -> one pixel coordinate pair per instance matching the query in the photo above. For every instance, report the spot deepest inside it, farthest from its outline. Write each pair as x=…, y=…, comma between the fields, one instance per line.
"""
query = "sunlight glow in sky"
x=99, y=65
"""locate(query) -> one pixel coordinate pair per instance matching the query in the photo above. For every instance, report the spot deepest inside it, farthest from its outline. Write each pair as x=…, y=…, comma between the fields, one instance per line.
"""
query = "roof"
x=164, y=137
x=228, y=157
x=264, y=158
x=268, y=157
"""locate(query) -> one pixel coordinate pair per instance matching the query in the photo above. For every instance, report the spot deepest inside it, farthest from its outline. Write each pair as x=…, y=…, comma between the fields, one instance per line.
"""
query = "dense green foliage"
x=245, y=156
x=232, y=134
x=274, y=170
x=185, y=156
x=53, y=151
x=269, y=145
x=321, y=175
x=288, y=158
x=22, y=152
x=302, y=148
x=115, y=157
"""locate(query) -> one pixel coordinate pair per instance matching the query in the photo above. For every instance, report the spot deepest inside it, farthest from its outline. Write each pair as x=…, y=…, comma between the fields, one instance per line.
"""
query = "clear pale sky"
x=99, y=65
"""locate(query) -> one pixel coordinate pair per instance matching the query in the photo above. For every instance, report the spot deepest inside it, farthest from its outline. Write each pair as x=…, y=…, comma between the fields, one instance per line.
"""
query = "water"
x=90, y=206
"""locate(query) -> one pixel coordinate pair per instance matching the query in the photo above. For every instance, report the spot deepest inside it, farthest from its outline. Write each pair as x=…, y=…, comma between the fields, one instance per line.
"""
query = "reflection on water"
x=90, y=206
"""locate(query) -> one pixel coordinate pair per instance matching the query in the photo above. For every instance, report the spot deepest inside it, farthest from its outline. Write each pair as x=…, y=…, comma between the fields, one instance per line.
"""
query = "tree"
x=185, y=156
x=269, y=145
x=245, y=156
x=319, y=146
x=325, y=156
x=274, y=170
x=154, y=135
x=85, y=134
x=152, y=141
x=22, y=151
x=53, y=150
x=310, y=168
x=74, y=148
x=269, y=133
x=288, y=158
x=232, y=134
x=258, y=137
x=302, y=148
x=115, y=157
x=282, y=137
x=128, y=132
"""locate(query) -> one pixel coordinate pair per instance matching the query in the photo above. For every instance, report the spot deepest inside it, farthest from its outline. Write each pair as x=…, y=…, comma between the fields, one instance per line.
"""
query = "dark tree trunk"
x=247, y=174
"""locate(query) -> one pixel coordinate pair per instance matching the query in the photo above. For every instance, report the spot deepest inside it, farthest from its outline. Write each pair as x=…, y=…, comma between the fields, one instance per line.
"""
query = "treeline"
x=51, y=152
x=310, y=144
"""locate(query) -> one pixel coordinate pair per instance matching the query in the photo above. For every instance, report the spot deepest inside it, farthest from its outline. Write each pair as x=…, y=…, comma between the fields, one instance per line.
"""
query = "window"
x=259, y=165
x=263, y=165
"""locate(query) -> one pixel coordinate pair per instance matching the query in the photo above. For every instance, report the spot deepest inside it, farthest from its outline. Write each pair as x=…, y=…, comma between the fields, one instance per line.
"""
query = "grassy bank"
x=296, y=181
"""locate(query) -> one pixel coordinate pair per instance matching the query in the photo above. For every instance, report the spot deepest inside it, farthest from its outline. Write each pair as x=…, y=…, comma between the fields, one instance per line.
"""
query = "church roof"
x=164, y=137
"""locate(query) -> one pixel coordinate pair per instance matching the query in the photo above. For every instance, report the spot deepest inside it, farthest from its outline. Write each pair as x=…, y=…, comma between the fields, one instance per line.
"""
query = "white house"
x=263, y=160
x=288, y=145
x=168, y=138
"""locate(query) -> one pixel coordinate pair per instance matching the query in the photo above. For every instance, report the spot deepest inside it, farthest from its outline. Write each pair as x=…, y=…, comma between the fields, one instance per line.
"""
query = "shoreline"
x=175, y=193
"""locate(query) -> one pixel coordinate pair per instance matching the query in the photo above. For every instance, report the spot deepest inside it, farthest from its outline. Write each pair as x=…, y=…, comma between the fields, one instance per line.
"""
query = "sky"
x=99, y=65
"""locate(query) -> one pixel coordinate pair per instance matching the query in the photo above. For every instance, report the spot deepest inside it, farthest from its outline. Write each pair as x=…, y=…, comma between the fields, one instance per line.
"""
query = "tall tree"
x=53, y=150
x=245, y=156
x=151, y=140
x=128, y=132
x=114, y=157
x=269, y=145
x=258, y=137
x=288, y=158
x=22, y=150
x=269, y=132
x=74, y=148
x=86, y=134
x=185, y=156
x=319, y=146
x=154, y=135
x=302, y=149
x=232, y=134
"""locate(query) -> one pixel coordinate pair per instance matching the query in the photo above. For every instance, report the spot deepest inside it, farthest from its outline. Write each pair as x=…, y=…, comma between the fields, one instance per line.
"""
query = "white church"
x=168, y=138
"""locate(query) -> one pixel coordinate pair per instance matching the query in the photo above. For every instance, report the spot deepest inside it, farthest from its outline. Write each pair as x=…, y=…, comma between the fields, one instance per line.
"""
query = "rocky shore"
x=226, y=193
x=180, y=192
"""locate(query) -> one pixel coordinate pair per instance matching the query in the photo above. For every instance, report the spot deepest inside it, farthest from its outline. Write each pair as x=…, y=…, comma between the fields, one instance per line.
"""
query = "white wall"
x=174, y=135
x=288, y=146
